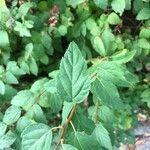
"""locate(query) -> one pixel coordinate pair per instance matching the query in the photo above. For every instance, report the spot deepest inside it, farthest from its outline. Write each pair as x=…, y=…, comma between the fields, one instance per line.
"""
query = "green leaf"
x=12, y=114
x=143, y=43
x=107, y=93
x=38, y=85
x=74, y=3
x=36, y=113
x=23, y=9
x=24, y=98
x=7, y=140
x=144, y=33
x=113, y=72
x=68, y=147
x=118, y=6
x=10, y=78
x=14, y=69
x=47, y=42
x=4, y=42
x=144, y=14
x=99, y=45
x=72, y=82
x=22, y=29
x=108, y=40
x=123, y=56
x=36, y=137
x=102, y=136
x=101, y=3
x=33, y=66
x=83, y=123
x=66, y=110
x=114, y=19
x=2, y=88
x=3, y=128
x=22, y=123
x=146, y=97
x=106, y=114
x=62, y=30
x=128, y=4
x=81, y=141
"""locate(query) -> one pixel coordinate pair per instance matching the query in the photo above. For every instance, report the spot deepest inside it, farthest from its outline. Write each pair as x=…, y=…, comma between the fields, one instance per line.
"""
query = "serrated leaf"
x=3, y=128
x=106, y=114
x=7, y=140
x=23, y=9
x=114, y=19
x=72, y=82
x=2, y=88
x=107, y=93
x=24, y=98
x=144, y=14
x=144, y=33
x=68, y=147
x=102, y=136
x=83, y=123
x=101, y=3
x=81, y=141
x=36, y=137
x=38, y=85
x=10, y=78
x=22, y=29
x=113, y=72
x=99, y=46
x=12, y=114
x=36, y=113
x=118, y=6
x=123, y=56
x=144, y=43
x=22, y=123
x=14, y=69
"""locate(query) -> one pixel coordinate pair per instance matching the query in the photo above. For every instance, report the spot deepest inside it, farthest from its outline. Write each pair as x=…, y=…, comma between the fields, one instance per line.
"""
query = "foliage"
x=73, y=73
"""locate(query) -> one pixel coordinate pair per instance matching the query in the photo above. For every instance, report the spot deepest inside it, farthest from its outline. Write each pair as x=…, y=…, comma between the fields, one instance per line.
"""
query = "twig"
x=65, y=126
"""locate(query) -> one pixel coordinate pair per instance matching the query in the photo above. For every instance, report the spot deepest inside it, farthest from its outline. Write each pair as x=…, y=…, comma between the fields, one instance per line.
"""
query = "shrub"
x=73, y=73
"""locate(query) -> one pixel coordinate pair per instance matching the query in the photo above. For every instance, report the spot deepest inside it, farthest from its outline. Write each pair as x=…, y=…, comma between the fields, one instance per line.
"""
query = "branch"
x=65, y=126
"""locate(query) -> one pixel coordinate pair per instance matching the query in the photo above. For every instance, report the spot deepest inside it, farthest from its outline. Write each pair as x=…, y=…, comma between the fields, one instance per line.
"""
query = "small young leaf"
x=23, y=9
x=118, y=6
x=12, y=114
x=10, y=78
x=24, y=98
x=101, y=3
x=114, y=19
x=144, y=14
x=72, y=82
x=36, y=137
